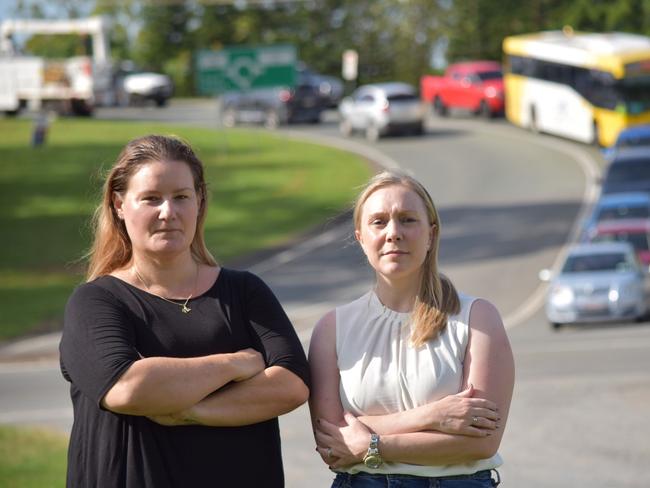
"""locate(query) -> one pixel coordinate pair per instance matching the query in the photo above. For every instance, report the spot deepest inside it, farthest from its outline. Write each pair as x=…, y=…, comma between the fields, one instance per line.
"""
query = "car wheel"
x=12, y=113
x=595, y=138
x=345, y=127
x=641, y=314
x=229, y=117
x=556, y=325
x=533, y=125
x=439, y=107
x=419, y=129
x=136, y=100
x=484, y=110
x=372, y=132
x=271, y=120
x=81, y=108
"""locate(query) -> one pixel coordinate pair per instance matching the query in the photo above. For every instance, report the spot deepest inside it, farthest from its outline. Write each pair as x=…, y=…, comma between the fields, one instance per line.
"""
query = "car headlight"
x=490, y=92
x=561, y=296
x=626, y=291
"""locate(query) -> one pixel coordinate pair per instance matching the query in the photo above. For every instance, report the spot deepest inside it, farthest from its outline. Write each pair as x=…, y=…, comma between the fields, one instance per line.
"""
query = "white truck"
x=73, y=85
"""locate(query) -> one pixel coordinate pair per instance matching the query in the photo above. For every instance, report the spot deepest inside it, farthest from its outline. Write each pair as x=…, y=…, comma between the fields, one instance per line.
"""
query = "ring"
x=329, y=452
x=474, y=420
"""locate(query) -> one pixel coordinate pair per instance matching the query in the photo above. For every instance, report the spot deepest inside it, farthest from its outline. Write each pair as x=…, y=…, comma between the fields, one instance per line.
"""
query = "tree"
x=60, y=45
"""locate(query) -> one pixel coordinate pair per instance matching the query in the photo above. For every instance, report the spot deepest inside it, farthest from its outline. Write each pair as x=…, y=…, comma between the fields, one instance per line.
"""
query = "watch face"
x=373, y=461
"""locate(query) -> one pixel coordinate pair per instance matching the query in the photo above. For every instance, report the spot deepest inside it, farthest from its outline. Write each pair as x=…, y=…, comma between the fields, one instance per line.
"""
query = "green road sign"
x=245, y=67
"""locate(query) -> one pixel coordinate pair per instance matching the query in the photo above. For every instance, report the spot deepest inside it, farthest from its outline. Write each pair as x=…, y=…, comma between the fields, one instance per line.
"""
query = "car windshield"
x=490, y=75
x=629, y=171
x=584, y=263
x=623, y=212
x=402, y=97
x=639, y=240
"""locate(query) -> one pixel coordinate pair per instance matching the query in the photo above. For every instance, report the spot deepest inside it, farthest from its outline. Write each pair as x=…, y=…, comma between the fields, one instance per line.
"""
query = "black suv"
x=274, y=106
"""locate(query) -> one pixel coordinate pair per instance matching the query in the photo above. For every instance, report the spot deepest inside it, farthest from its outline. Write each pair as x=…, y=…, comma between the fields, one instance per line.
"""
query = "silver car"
x=598, y=282
x=382, y=108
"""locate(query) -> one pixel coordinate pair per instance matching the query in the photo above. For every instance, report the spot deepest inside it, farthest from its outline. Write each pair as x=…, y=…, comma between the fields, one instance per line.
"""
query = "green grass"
x=32, y=458
x=265, y=190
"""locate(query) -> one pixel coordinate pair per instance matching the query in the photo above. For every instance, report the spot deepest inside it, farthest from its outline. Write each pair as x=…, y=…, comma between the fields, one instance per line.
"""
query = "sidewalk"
x=39, y=348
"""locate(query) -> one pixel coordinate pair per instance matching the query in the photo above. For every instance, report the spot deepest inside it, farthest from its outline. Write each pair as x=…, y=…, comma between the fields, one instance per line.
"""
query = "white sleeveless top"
x=382, y=373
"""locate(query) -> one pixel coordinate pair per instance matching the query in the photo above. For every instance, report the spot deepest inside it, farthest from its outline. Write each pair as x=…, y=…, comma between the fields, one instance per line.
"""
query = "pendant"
x=186, y=309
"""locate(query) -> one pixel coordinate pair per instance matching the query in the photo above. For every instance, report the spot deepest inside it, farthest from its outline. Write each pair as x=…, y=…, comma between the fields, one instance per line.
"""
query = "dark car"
x=617, y=206
x=628, y=171
x=329, y=87
x=634, y=231
x=274, y=106
x=634, y=136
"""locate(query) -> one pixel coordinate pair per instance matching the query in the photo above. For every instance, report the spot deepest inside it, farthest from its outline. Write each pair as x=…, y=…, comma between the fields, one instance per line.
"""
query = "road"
x=509, y=202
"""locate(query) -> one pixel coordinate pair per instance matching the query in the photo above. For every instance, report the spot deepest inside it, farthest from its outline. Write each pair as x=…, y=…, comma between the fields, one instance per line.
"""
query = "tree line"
x=395, y=39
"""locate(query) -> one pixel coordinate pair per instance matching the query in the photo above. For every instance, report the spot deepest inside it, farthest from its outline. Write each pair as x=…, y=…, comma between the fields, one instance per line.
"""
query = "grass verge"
x=265, y=190
x=32, y=458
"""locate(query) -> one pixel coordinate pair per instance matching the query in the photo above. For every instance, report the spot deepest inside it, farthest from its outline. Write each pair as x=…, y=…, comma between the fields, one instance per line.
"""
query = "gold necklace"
x=184, y=307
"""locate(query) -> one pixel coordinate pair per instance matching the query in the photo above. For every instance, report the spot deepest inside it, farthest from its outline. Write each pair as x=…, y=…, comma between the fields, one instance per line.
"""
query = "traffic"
x=599, y=281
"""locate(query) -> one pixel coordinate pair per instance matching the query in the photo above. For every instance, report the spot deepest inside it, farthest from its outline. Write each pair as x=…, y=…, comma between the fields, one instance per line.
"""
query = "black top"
x=109, y=323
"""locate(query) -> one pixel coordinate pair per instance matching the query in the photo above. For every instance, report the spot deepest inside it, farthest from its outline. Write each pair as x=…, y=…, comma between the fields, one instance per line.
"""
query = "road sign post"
x=350, y=65
x=243, y=68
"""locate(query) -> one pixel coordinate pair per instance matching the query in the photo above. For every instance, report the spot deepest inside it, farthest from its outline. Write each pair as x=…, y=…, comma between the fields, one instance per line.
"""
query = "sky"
x=6, y=6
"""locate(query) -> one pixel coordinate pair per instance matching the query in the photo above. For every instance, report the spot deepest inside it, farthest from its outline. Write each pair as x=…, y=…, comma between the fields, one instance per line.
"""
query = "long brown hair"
x=437, y=297
x=111, y=248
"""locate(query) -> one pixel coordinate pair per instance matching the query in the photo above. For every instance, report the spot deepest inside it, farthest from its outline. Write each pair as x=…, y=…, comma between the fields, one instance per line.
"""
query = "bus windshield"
x=635, y=94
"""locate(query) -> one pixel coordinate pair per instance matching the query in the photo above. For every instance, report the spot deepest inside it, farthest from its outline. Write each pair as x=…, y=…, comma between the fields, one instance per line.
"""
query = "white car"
x=382, y=108
x=597, y=282
x=138, y=88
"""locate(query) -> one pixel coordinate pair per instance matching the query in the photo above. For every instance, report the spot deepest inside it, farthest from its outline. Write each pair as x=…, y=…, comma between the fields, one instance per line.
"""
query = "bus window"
x=609, y=74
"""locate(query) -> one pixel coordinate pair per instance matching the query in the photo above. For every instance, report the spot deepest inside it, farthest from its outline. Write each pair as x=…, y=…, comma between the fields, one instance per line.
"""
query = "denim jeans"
x=480, y=479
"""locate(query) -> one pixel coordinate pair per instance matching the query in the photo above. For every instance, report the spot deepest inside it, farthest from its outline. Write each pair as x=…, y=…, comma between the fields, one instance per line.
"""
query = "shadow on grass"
x=265, y=190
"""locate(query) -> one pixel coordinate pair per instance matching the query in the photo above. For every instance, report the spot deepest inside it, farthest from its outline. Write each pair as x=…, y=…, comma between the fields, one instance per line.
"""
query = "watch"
x=373, y=459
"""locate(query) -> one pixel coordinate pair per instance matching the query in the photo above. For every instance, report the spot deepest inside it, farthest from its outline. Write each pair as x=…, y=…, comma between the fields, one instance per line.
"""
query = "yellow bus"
x=583, y=86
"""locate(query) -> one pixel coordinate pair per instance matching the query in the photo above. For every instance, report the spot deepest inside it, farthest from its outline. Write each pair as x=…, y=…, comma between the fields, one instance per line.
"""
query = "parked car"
x=635, y=136
x=273, y=106
x=597, y=282
x=474, y=85
x=380, y=109
x=616, y=206
x=629, y=171
x=633, y=231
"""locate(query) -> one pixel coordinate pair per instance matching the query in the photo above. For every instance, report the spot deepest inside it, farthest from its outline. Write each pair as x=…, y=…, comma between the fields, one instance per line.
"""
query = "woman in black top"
x=178, y=367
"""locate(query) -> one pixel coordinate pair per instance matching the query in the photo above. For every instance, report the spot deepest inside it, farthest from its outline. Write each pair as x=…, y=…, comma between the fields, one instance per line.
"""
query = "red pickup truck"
x=475, y=85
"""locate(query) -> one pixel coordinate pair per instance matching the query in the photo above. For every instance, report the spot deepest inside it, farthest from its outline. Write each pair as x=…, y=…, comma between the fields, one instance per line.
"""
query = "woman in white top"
x=412, y=382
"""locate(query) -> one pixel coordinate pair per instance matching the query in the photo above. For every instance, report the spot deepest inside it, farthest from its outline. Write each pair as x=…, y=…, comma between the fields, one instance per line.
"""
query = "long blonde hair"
x=111, y=248
x=437, y=297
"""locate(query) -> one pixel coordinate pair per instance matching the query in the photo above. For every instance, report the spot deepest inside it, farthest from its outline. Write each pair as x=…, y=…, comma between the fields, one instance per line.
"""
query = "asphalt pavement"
x=510, y=202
